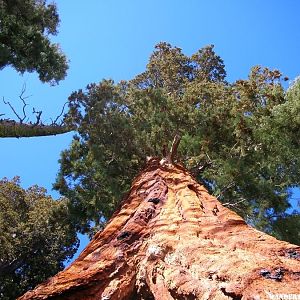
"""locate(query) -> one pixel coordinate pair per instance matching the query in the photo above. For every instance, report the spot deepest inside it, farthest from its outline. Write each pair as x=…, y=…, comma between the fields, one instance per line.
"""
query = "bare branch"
x=21, y=96
x=38, y=116
x=62, y=111
x=24, y=127
x=234, y=203
x=226, y=188
x=12, y=108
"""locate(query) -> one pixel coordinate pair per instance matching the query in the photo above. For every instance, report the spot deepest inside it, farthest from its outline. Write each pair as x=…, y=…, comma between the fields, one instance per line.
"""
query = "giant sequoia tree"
x=240, y=139
x=170, y=240
x=25, y=45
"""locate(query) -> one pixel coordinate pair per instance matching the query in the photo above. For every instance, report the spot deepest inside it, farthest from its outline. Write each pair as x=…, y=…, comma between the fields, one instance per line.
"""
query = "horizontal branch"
x=10, y=128
x=230, y=204
x=22, y=128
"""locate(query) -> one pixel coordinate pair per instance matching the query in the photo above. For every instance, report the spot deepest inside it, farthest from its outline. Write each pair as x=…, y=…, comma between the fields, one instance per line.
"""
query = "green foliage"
x=98, y=170
x=36, y=237
x=236, y=138
x=286, y=227
x=24, y=39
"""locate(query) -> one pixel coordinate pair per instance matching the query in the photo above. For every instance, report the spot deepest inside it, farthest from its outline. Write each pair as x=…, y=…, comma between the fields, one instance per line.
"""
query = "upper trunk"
x=171, y=240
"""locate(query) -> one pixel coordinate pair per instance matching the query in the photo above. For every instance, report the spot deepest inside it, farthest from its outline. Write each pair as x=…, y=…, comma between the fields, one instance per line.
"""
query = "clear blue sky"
x=114, y=38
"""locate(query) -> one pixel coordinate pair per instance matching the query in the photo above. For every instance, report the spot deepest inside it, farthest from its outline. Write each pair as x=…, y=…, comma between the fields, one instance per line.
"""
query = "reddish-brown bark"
x=171, y=240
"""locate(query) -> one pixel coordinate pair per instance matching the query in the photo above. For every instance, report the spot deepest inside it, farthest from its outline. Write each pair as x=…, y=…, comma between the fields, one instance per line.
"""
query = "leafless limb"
x=226, y=188
x=14, y=111
x=62, y=111
x=38, y=115
x=22, y=98
x=234, y=203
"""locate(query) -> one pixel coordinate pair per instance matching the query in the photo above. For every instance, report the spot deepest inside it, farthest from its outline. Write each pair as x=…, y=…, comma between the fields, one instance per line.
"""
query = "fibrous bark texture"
x=170, y=239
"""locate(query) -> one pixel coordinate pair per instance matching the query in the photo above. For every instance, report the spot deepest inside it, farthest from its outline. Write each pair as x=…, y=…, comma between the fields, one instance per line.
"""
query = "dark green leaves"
x=24, y=39
x=36, y=237
x=236, y=138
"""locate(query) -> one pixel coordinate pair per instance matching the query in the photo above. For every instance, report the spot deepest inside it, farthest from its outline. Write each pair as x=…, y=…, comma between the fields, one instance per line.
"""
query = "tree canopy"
x=24, y=39
x=25, y=45
x=36, y=237
x=239, y=139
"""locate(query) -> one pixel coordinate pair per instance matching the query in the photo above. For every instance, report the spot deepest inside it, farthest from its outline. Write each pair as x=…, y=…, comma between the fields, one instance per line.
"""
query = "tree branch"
x=235, y=203
x=10, y=267
x=12, y=108
x=226, y=188
x=173, y=151
x=38, y=116
x=23, y=100
x=201, y=166
x=22, y=128
x=62, y=111
x=10, y=128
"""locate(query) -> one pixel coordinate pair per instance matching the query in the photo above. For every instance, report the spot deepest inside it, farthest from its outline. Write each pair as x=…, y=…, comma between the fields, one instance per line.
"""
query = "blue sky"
x=114, y=39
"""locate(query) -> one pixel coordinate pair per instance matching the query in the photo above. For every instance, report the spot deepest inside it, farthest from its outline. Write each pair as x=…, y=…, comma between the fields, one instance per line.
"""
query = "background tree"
x=24, y=39
x=36, y=237
x=26, y=27
x=235, y=139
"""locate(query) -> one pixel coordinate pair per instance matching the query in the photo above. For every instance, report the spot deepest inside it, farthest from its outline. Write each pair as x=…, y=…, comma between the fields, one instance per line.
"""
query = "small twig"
x=12, y=108
x=226, y=188
x=111, y=160
x=275, y=216
x=38, y=116
x=23, y=100
x=235, y=203
x=233, y=146
x=201, y=166
x=209, y=159
x=37, y=113
x=62, y=111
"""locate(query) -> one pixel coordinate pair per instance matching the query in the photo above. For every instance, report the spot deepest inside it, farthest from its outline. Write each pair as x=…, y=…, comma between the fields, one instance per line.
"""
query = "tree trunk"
x=171, y=240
